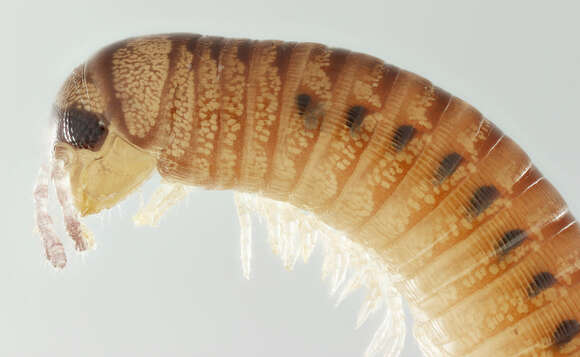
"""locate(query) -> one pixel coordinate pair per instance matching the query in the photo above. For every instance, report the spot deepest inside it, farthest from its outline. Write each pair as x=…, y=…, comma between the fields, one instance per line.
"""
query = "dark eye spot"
x=402, y=136
x=447, y=167
x=81, y=129
x=566, y=331
x=510, y=240
x=302, y=102
x=354, y=117
x=540, y=282
x=482, y=198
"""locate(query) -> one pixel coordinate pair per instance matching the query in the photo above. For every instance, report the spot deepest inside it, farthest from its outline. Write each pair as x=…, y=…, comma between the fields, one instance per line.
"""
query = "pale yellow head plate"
x=101, y=179
x=103, y=174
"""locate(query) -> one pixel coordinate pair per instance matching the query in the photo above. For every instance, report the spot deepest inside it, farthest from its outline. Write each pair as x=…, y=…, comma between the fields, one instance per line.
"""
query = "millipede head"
x=103, y=167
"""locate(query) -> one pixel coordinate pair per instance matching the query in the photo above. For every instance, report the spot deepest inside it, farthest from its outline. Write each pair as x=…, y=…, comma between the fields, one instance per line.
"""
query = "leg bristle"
x=293, y=232
x=166, y=196
x=245, y=218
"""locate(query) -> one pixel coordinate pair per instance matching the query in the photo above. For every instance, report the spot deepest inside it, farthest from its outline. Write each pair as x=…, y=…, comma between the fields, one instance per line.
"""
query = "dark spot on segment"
x=447, y=167
x=339, y=59
x=245, y=50
x=510, y=240
x=302, y=102
x=355, y=117
x=81, y=129
x=541, y=282
x=566, y=331
x=402, y=136
x=216, y=45
x=190, y=40
x=309, y=110
x=482, y=198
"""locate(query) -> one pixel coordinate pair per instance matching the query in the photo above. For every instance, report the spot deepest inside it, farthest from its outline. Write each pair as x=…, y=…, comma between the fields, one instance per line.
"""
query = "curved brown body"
x=481, y=245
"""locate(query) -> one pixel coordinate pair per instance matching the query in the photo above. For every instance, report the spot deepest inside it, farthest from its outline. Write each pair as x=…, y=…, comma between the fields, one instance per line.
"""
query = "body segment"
x=478, y=241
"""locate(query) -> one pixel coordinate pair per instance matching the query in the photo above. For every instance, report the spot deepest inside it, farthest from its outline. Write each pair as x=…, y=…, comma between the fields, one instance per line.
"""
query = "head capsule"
x=102, y=163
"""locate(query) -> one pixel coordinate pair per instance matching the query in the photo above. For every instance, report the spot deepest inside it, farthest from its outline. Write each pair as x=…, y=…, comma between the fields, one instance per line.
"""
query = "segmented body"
x=481, y=245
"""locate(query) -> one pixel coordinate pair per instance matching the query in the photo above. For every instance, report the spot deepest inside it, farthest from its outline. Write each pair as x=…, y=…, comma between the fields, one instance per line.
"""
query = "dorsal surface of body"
x=479, y=243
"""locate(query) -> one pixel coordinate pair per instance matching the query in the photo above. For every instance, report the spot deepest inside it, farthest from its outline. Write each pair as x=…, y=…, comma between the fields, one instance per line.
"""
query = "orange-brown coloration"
x=222, y=113
x=268, y=65
x=233, y=110
x=139, y=70
x=80, y=92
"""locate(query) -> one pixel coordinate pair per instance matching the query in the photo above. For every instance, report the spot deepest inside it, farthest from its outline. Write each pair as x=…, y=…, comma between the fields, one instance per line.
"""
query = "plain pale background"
x=178, y=290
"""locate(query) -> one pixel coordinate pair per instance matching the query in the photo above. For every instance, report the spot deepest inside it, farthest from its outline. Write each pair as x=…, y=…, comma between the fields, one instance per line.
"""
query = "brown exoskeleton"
x=479, y=242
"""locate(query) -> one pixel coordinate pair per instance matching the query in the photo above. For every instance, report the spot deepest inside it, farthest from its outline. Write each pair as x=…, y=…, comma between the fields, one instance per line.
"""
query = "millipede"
x=412, y=192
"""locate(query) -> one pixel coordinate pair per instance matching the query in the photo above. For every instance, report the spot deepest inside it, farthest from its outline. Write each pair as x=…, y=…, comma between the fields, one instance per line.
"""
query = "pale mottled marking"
x=393, y=207
x=208, y=101
x=182, y=91
x=139, y=71
x=474, y=262
x=316, y=76
x=330, y=158
x=81, y=92
x=366, y=86
x=340, y=149
x=291, y=124
x=233, y=76
x=296, y=143
x=357, y=197
x=473, y=202
x=269, y=64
